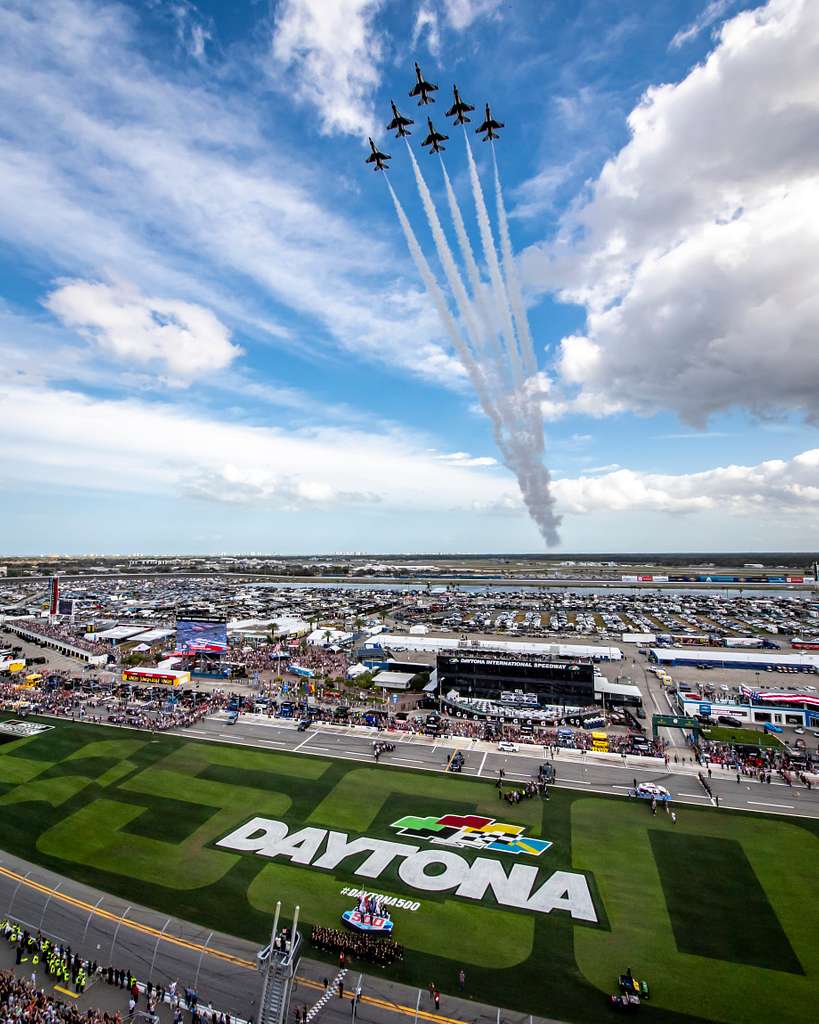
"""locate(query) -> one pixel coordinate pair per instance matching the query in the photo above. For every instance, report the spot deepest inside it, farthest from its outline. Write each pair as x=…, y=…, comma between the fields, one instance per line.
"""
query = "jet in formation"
x=459, y=108
x=422, y=89
x=379, y=159
x=489, y=126
x=434, y=139
x=399, y=123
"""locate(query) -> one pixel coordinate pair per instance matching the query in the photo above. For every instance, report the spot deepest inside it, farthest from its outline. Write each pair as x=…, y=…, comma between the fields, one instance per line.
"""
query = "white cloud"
x=465, y=459
x=118, y=172
x=695, y=251
x=770, y=488
x=330, y=54
x=462, y=13
x=426, y=23
x=457, y=15
x=710, y=14
x=63, y=438
x=58, y=437
x=186, y=339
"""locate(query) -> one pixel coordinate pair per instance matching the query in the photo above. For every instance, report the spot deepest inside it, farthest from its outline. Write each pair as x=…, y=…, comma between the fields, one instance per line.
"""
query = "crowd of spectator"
x=109, y=703
x=52, y=631
x=379, y=951
x=759, y=764
x=23, y=1003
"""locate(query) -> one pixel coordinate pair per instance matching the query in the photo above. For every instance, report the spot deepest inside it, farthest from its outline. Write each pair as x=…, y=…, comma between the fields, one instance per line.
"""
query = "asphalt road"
x=587, y=773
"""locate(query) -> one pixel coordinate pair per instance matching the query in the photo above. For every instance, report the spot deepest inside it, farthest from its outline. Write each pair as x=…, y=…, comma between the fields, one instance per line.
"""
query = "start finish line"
x=326, y=850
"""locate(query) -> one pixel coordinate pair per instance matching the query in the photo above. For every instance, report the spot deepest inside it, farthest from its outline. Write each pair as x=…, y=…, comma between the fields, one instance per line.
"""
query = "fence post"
x=199, y=965
x=90, y=915
x=156, y=949
x=14, y=895
x=45, y=905
x=116, y=933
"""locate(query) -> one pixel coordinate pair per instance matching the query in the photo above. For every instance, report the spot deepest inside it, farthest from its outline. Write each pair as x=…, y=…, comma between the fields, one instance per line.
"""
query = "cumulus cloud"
x=329, y=54
x=694, y=253
x=243, y=485
x=186, y=339
x=774, y=487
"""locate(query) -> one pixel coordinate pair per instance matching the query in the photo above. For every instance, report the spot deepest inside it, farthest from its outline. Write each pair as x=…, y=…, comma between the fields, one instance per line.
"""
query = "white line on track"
x=483, y=762
x=621, y=787
x=431, y=767
x=409, y=760
x=303, y=742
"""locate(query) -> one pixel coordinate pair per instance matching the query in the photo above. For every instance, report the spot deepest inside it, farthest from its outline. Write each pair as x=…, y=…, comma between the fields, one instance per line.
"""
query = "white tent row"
x=398, y=642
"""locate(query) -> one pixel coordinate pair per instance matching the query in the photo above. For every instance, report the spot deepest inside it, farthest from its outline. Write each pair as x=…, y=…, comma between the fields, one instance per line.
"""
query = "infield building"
x=488, y=675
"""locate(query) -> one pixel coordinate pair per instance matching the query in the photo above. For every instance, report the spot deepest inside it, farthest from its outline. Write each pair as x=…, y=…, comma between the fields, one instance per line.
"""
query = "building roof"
x=394, y=680
x=602, y=685
x=730, y=656
x=396, y=641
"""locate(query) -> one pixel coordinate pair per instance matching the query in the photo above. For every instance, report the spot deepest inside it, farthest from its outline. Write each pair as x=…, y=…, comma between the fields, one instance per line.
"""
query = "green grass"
x=753, y=737
x=614, y=841
x=717, y=911
x=741, y=923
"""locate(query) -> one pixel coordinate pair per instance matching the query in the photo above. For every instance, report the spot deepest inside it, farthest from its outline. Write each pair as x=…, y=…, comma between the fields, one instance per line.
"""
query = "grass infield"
x=717, y=911
x=751, y=737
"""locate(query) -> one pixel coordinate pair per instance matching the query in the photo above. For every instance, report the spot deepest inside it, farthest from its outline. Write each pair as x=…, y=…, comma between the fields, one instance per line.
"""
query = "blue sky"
x=215, y=339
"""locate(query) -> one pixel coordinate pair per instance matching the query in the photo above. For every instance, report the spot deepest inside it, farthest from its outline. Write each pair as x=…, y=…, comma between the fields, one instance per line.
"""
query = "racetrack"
x=154, y=820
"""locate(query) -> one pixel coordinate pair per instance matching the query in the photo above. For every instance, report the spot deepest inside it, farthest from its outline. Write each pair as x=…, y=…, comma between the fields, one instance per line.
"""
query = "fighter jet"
x=459, y=109
x=434, y=139
x=489, y=126
x=422, y=88
x=379, y=159
x=399, y=123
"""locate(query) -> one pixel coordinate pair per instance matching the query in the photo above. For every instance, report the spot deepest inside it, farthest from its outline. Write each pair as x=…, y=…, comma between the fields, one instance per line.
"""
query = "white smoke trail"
x=474, y=274
x=512, y=281
x=491, y=257
x=428, y=277
x=454, y=281
x=515, y=418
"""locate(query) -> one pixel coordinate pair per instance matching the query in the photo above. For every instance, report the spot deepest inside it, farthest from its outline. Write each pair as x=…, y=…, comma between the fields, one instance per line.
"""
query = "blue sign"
x=705, y=709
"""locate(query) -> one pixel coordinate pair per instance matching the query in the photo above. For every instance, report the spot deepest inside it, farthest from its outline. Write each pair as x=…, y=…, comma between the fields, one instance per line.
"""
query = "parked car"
x=507, y=747
x=303, y=725
x=729, y=720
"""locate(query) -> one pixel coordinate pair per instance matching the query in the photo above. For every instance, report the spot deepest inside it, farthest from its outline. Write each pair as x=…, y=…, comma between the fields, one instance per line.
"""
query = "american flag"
x=746, y=691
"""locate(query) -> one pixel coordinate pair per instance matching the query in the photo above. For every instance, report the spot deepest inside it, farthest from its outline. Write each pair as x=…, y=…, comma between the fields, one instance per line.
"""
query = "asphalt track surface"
x=587, y=773
x=220, y=967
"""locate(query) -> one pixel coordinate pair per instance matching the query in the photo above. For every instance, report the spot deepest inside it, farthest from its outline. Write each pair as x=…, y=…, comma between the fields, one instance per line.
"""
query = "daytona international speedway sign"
x=436, y=870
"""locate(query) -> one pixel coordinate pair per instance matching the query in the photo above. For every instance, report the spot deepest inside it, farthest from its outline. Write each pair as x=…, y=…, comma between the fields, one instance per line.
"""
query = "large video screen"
x=201, y=636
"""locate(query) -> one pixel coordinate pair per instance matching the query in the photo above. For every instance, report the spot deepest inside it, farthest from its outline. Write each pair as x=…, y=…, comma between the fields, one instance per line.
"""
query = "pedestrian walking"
x=673, y=818
x=340, y=988
x=436, y=995
x=461, y=979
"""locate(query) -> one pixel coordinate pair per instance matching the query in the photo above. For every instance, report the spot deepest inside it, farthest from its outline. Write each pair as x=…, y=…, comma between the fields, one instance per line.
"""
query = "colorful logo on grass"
x=471, y=832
